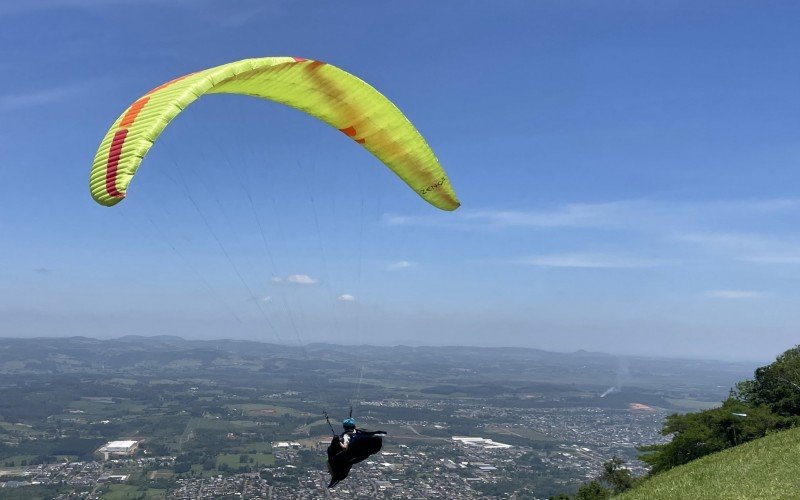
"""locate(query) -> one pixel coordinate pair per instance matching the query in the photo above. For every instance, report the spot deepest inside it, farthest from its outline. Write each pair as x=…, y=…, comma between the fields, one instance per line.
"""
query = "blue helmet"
x=349, y=423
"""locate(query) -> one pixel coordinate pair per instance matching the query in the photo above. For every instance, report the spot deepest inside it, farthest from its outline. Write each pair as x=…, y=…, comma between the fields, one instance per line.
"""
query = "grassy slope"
x=764, y=468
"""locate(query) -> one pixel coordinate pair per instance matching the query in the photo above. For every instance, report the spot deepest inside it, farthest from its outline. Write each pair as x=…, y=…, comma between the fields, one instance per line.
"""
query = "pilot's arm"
x=345, y=440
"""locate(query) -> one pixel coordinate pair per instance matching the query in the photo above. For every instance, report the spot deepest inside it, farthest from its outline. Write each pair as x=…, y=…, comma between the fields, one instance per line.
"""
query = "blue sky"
x=628, y=174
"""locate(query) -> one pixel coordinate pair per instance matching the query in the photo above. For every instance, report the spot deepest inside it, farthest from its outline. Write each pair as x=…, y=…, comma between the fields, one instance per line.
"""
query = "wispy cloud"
x=747, y=247
x=644, y=215
x=733, y=294
x=676, y=230
x=346, y=297
x=571, y=215
x=38, y=5
x=226, y=14
x=401, y=264
x=241, y=17
x=301, y=279
x=35, y=98
x=298, y=279
x=41, y=97
x=774, y=258
x=586, y=260
x=264, y=300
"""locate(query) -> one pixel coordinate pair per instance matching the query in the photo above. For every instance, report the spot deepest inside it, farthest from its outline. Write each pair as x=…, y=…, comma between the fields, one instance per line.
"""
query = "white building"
x=287, y=444
x=484, y=443
x=118, y=448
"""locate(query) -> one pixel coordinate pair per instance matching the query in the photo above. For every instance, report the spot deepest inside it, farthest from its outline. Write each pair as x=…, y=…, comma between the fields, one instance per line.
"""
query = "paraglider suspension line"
x=329, y=422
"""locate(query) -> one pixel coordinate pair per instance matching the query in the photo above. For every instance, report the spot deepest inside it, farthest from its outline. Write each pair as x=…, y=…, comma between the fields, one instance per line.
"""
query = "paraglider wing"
x=319, y=89
x=362, y=445
x=338, y=465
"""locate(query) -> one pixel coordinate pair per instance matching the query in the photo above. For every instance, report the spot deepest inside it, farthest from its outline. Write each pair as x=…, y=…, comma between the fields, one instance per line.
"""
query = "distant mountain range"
x=445, y=369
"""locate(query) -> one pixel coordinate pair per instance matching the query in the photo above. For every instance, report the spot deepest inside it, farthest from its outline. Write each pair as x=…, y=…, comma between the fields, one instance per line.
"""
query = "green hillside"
x=765, y=468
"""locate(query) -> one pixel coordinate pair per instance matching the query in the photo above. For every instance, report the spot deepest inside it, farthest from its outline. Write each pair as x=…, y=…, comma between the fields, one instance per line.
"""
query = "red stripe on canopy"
x=113, y=161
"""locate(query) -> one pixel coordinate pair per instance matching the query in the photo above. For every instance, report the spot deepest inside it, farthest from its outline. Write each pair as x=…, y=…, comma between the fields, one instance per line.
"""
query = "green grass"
x=160, y=474
x=179, y=364
x=122, y=381
x=97, y=409
x=520, y=432
x=232, y=460
x=764, y=468
x=236, y=362
x=128, y=492
x=12, y=366
x=219, y=424
x=397, y=431
x=17, y=459
x=693, y=404
x=262, y=410
x=255, y=447
x=15, y=427
x=397, y=384
x=214, y=424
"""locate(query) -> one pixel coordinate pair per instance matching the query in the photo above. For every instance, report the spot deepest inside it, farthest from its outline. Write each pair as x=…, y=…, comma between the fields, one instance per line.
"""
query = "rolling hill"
x=765, y=468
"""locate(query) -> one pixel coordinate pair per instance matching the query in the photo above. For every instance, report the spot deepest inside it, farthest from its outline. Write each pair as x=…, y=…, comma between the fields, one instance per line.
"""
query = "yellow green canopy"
x=319, y=89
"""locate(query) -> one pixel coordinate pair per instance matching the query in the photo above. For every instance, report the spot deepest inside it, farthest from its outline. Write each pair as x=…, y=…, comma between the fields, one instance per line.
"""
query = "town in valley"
x=164, y=417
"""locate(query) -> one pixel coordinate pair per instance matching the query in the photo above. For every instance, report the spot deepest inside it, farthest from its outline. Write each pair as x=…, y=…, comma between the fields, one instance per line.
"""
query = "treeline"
x=754, y=408
x=46, y=451
x=769, y=402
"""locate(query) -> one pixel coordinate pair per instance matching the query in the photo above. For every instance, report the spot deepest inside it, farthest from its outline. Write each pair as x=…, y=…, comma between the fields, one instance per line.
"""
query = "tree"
x=613, y=474
x=592, y=490
x=181, y=467
x=698, y=434
x=618, y=477
x=776, y=385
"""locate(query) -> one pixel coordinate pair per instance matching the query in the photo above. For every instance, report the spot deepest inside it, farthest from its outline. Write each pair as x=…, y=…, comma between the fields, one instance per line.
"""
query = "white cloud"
x=241, y=17
x=41, y=97
x=585, y=260
x=792, y=258
x=570, y=215
x=400, y=264
x=681, y=231
x=733, y=294
x=642, y=215
x=748, y=247
x=346, y=297
x=302, y=279
x=263, y=299
x=37, y=5
x=298, y=279
x=227, y=14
